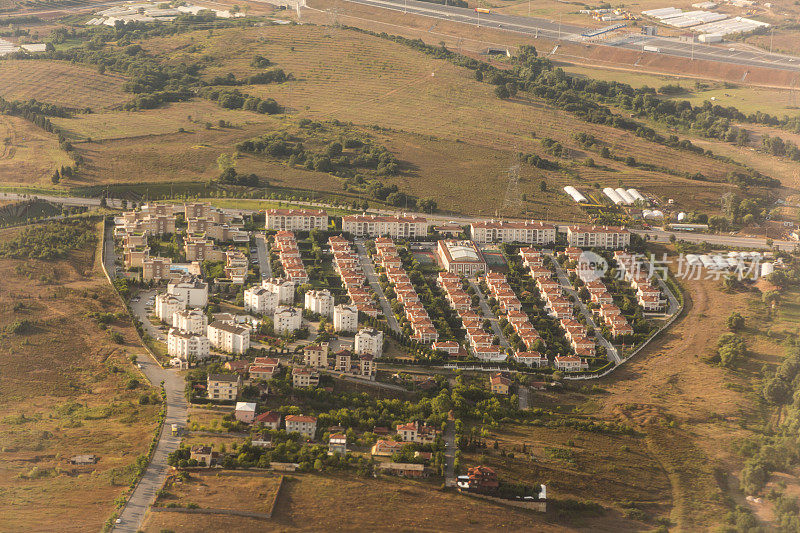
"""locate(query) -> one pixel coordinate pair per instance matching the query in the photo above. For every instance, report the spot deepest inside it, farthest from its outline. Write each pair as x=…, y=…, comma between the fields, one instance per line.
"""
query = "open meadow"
x=28, y=155
x=68, y=389
x=61, y=83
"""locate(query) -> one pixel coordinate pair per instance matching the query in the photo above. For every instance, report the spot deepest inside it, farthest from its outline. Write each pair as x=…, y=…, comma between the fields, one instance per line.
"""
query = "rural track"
x=9, y=149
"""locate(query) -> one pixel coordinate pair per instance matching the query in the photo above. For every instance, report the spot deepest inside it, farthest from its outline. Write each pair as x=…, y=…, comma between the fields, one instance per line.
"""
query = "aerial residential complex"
x=598, y=237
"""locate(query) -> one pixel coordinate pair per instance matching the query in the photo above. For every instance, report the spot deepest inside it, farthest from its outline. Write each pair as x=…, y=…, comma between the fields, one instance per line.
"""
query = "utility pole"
x=405, y=6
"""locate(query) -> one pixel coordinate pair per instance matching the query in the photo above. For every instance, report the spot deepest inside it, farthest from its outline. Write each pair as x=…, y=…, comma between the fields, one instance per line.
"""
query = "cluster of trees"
x=331, y=158
x=235, y=99
x=50, y=241
x=731, y=349
x=274, y=75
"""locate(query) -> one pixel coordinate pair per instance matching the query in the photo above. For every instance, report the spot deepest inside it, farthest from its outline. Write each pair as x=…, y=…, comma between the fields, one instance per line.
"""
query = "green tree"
x=735, y=322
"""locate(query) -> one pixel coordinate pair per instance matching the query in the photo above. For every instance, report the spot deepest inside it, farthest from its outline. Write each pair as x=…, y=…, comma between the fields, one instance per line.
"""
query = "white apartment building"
x=187, y=346
x=166, y=305
x=598, y=237
x=190, y=321
x=228, y=337
x=527, y=231
x=260, y=300
x=320, y=302
x=345, y=317
x=287, y=319
x=400, y=226
x=304, y=377
x=191, y=290
x=296, y=219
x=369, y=341
x=284, y=288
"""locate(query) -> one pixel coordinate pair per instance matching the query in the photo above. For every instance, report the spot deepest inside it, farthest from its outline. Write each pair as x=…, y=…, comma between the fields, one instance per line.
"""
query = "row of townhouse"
x=348, y=266
x=296, y=219
x=289, y=255
x=236, y=266
x=612, y=316
x=155, y=219
x=560, y=307
x=199, y=248
x=217, y=231
x=480, y=342
x=393, y=226
x=501, y=290
x=599, y=295
x=638, y=275
x=386, y=255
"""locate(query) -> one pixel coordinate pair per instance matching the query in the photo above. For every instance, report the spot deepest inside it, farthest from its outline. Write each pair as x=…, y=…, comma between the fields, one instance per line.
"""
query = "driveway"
x=524, y=395
x=372, y=278
x=487, y=313
x=264, y=264
x=611, y=352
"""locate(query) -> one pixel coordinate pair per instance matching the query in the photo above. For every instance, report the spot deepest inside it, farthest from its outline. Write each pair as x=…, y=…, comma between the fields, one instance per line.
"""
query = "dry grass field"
x=447, y=127
x=345, y=503
x=692, y=412
x=238, y=491
x=64, y=393
x=62, y=83
x=28, y=155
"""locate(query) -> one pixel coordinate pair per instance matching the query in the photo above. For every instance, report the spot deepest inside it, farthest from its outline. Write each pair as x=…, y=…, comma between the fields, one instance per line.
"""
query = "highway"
x=553, y=29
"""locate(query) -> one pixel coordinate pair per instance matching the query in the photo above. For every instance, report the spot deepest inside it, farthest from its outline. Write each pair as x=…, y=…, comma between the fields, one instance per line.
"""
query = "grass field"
x=59, y=82
x=28, y=155
x=344, y=503
x=745, y=98
x=446, y=127
x=238, y=491
x=64, y=393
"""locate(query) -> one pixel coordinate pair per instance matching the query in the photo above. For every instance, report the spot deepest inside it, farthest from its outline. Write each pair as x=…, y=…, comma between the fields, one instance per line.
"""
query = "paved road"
x=450, y=453
x=553, y=29
x=264, y=264
x=487, y=313
x=139, y=309
x=132, y=515
x=611, y=352
x=372, y=278
x=109, y=253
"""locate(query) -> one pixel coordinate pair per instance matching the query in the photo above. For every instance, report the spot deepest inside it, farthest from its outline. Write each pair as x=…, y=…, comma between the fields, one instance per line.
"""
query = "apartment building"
x=304, y=377
x=345, y=318
x=369, y=341
x=598, y=237
x=223, y=386
x=190, y=321
x=156, y=268
x=187, y=346
x=228, y=337
x=287, y=319
x=319, y=302
x=260, y=301
x=527, y=231
x=166, y=305
x=305, y=425
x=284, y=288
x=396, y=227
x=296, y=219
x=316, y=356
x=190, y=289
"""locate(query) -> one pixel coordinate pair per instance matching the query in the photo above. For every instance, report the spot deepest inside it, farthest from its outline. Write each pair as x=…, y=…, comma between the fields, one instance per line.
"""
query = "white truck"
x=649, y=48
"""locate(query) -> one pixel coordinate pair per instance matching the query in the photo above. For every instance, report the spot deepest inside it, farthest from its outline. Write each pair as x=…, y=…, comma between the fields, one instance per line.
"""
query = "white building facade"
x=345, y=318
